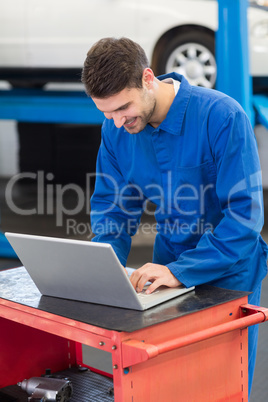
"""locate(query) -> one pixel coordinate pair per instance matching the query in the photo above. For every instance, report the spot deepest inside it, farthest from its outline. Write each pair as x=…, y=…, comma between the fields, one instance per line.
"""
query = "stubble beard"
x=144, y=119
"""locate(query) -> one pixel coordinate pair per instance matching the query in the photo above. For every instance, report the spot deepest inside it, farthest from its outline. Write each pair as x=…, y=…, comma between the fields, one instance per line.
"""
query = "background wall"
x=262, y=140
x=9, y=147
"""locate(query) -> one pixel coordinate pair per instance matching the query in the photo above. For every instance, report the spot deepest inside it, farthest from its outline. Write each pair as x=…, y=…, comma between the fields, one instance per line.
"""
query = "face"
x=132, y=108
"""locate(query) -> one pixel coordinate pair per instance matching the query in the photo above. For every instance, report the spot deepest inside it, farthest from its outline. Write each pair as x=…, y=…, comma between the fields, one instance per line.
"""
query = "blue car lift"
x=233, y=78
x=37, y=105
x=232, y=55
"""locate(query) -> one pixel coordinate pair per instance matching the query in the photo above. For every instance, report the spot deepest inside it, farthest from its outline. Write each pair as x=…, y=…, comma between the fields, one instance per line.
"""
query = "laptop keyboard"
x=143, y=294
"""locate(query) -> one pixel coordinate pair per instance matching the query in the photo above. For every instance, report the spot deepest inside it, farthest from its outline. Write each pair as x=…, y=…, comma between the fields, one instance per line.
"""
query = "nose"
x=118, y=119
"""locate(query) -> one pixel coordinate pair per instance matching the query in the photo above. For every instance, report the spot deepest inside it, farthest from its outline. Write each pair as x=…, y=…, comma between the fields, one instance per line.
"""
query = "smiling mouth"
x=130, y=123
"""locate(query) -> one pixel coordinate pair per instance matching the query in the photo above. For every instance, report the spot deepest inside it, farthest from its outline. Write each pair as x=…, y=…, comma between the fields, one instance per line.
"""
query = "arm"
x=116, y=207
x=238, y=187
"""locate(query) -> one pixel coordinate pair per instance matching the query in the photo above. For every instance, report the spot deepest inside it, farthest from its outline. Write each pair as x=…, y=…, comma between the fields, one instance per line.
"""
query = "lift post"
x=232, y=53
x=233, y=60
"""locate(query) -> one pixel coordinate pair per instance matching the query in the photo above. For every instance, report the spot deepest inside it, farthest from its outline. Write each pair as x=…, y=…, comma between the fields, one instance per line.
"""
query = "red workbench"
x=192, y=348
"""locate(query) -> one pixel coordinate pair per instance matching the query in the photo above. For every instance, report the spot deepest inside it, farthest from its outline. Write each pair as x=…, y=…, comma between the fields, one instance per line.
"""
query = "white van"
x=47, y=40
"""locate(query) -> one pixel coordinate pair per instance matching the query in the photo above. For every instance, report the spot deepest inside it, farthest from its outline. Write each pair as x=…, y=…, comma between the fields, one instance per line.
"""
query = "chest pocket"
x=194, y=191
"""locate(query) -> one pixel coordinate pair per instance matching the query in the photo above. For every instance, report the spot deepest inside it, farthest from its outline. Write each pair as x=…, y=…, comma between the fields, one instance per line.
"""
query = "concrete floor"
x=74, y=224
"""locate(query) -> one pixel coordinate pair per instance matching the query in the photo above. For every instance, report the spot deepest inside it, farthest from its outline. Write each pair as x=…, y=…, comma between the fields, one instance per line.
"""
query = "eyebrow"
x=125, y=106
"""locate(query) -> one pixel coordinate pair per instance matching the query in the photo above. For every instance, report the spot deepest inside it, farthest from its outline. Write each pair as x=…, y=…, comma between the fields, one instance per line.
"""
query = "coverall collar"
x=174, y=119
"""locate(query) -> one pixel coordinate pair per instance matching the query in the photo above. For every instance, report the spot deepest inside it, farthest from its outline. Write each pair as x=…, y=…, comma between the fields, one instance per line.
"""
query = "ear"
x=148, y=77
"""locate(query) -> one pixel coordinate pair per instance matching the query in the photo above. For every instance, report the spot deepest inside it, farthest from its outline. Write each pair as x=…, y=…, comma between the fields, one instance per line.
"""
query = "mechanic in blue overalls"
x=192, y=152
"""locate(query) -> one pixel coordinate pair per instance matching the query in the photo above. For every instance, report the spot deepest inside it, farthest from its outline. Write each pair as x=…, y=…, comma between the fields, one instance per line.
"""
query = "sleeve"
x=239, y=190
x=116, y=207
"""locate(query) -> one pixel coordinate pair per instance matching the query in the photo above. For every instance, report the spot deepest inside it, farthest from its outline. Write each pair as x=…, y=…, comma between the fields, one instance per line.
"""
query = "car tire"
x=192, y=54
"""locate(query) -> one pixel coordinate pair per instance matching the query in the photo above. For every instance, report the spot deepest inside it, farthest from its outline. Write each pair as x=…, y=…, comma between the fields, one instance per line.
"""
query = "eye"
x=124, y=107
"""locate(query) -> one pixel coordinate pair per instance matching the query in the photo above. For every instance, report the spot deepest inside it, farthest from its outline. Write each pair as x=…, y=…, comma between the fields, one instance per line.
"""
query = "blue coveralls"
x=201, y=169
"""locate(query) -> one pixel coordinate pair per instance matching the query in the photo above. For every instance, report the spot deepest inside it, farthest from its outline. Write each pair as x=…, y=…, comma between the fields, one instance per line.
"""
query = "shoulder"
x=116, y=139
x=218, y=109
x=109, y=127
x=109, y=132
x=215, y=101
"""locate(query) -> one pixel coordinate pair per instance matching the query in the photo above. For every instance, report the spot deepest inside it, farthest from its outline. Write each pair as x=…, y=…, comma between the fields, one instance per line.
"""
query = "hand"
x=155, y=273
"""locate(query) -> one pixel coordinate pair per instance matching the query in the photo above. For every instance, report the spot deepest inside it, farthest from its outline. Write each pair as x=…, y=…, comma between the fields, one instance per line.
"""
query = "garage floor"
x=74, y=224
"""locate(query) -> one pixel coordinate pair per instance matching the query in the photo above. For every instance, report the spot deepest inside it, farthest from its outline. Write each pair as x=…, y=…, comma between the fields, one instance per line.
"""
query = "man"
x=192, y=152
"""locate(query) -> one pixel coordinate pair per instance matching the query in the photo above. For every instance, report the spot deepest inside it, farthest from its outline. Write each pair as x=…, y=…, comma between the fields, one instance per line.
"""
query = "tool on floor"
x=47, y=389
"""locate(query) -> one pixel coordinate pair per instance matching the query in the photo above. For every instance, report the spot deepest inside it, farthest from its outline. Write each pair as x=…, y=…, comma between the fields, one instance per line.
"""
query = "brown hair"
x=113, y=65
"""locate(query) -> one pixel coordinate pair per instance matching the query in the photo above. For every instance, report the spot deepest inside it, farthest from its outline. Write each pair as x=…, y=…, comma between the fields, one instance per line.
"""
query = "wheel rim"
x=196, y=62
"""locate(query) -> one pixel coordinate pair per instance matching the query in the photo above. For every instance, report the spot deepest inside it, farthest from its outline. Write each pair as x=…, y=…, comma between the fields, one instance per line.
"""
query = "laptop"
x=84, y=271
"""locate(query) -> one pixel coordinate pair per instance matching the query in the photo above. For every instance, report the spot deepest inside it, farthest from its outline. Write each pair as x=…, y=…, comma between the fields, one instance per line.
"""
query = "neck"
x=165, y=95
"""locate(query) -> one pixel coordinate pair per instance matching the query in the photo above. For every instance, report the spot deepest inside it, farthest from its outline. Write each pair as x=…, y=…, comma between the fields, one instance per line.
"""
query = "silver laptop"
x=84, y=271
